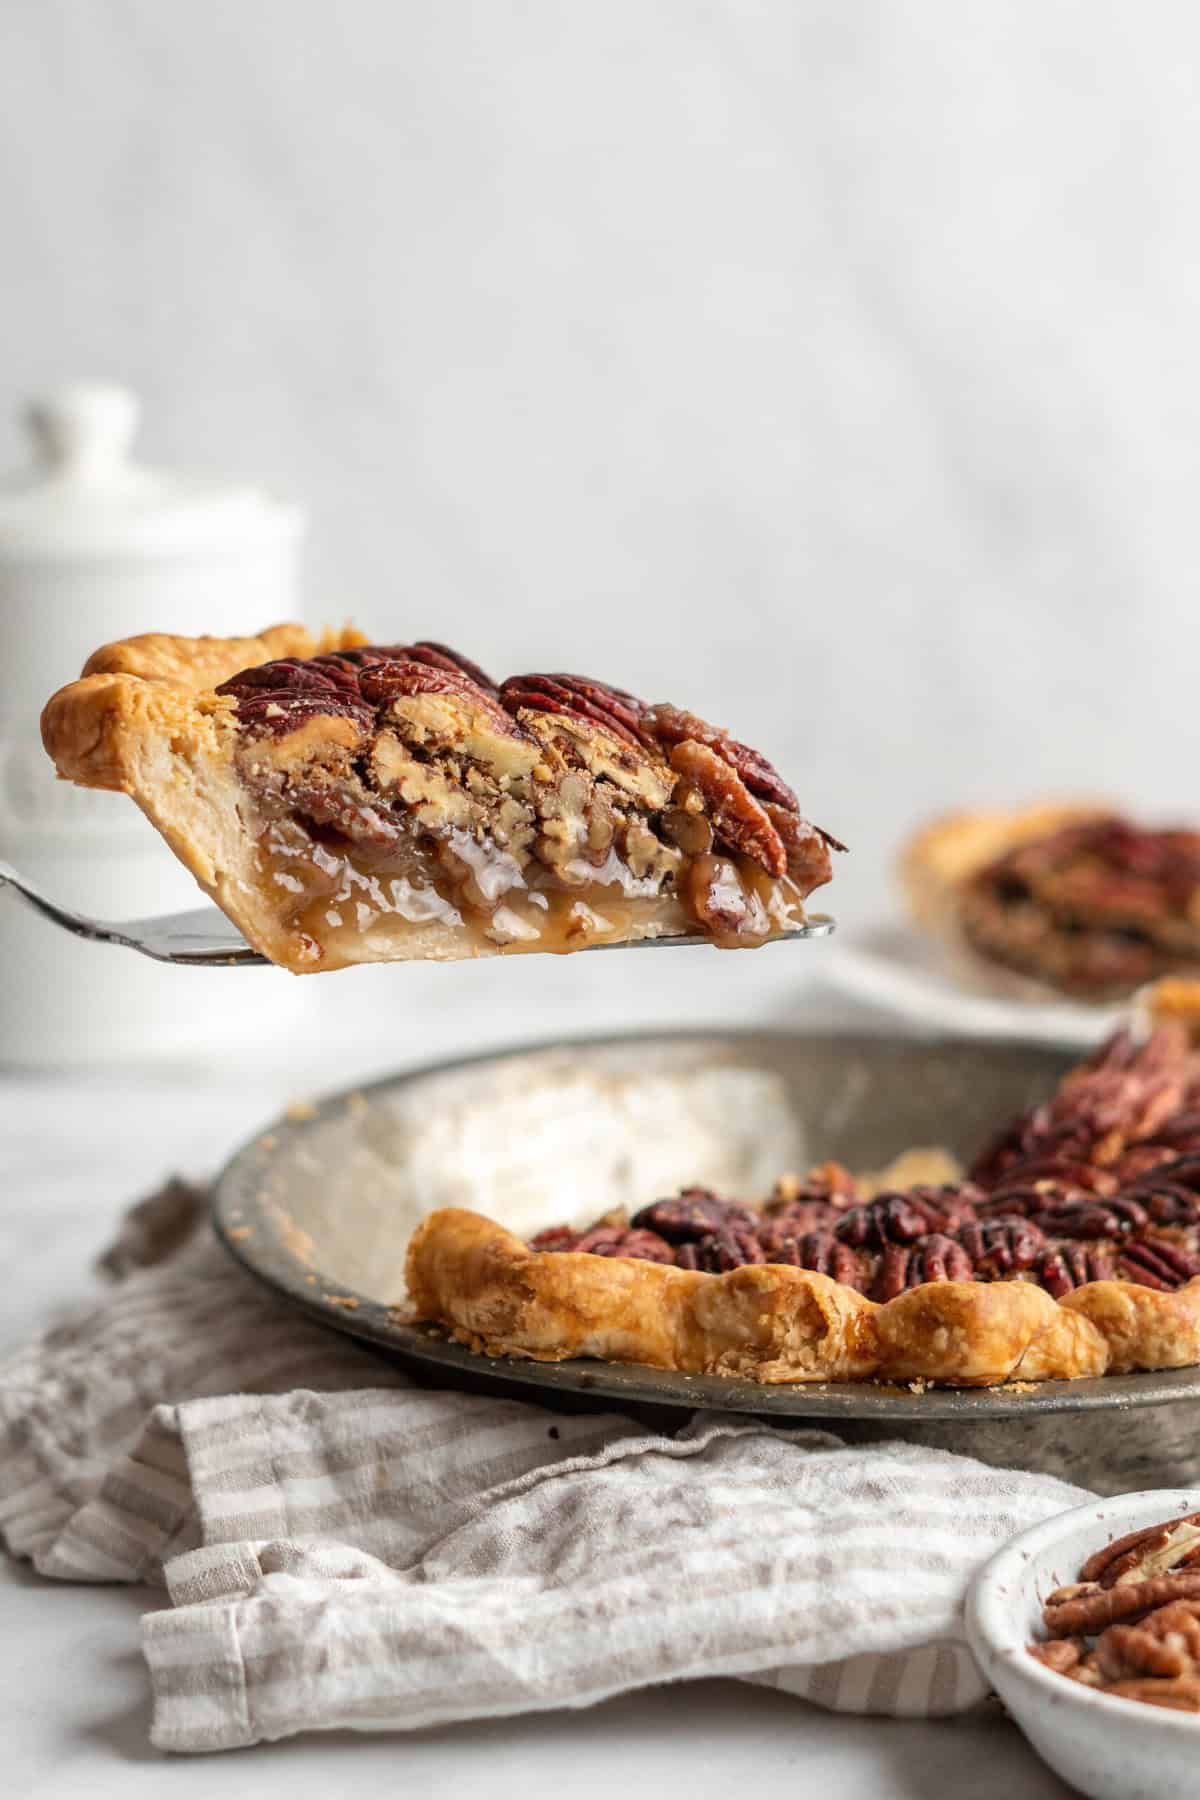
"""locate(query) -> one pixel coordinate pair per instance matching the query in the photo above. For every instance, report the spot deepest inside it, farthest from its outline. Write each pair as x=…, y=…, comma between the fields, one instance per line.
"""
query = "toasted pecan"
x=738, y=818
x=1088, y=1608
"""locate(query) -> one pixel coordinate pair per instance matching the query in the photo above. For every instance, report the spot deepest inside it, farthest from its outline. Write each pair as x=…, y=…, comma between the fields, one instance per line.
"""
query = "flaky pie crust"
x=94, y=729
x=774, y=1324
x=143, y=720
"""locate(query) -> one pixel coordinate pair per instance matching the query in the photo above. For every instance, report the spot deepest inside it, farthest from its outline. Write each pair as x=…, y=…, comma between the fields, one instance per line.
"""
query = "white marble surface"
x=73, y=1701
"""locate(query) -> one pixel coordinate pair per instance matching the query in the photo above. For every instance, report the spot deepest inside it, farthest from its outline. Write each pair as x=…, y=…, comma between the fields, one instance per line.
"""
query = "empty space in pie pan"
x=321, y=1205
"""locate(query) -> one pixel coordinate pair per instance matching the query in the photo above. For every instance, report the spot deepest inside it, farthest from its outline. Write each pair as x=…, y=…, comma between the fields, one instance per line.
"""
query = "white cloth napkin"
x=341, y=1546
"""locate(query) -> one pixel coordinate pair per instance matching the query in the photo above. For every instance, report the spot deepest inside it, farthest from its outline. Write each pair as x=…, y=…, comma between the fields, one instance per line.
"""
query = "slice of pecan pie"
x=1071, y=1248
x=1081, y=900
x=345, y=802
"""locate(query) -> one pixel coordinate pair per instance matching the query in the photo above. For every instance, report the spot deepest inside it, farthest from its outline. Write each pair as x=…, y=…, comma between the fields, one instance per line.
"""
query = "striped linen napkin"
x=341, y=1546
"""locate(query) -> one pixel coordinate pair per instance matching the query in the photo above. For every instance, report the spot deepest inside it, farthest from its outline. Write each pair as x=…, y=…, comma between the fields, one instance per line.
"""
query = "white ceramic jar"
x=94, y=547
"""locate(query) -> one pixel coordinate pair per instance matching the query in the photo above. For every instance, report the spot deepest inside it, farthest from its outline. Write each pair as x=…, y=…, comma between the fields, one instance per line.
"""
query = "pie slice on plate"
x=344, y=802
x=1075, y=899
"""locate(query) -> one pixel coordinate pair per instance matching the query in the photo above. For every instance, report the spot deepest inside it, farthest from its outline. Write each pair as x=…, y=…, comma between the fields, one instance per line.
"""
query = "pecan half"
x=437, y=656
x=1055, y=1172
x=597, y=1236
x=605, y=1239
x=999, y=1246
x=643, y=1246
x=579, y=697
x=279, y=696
x=1086, y=1608
x=729, y=1247
x=1062, y=1269
x=818, y=1251
x=1157, y=1263
x=1126, y=1094
x=938, y=1258
x=440, y=656
x=1150, y=1551
x=1180, y=1134
x=794, y=1220
x=1182, y=1694
x=933, y=1258
x=692, y=1215
x=298, y=675
x=1091, y=1219
x=1137, y=1163
x=807, y=847
x=738, y=818
x=891, y=1273
x=1059, y=1654
x=1130, y=1650
x=555, y=1237
x=902, y=1218
x=1170, y=1195
x=670, y=726
x=384, y=682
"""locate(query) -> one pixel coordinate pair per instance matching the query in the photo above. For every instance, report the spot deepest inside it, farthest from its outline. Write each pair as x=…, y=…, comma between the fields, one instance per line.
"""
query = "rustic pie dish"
x=337, y=1207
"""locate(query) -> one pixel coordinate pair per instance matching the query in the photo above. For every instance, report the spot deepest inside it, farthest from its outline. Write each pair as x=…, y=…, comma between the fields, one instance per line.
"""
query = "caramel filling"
x=347, y=902
x=402, y=804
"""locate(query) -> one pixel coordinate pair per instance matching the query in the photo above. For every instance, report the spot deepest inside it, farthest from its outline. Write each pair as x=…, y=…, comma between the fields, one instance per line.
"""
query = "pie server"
x=205, y=938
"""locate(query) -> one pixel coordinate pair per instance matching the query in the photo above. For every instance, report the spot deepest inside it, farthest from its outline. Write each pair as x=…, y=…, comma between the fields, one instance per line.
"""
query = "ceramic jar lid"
x=88, y=498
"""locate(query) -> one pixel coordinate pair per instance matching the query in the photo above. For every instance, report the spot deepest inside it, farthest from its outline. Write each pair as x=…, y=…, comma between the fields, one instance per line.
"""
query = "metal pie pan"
x=321, y=1203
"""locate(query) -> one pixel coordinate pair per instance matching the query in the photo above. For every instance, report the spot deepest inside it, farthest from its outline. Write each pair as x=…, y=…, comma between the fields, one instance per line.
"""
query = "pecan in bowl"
x=1088, y=1626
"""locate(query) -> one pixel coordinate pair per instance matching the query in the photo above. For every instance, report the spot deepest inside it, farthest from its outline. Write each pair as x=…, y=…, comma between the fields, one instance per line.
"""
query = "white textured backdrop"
x=828, y=364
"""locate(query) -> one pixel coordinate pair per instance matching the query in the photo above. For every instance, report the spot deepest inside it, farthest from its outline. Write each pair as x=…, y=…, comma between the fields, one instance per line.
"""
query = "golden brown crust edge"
x=143, y=720
x=771, y=1323
x=91, y=727
x=764, y=1322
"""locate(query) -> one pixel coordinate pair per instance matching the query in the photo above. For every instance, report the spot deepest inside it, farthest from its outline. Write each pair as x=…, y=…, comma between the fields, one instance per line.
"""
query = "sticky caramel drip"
x=338, y=896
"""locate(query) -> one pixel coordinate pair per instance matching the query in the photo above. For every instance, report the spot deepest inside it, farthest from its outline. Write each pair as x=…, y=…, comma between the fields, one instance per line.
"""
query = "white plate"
x=901, y=974
x=1110, y=1748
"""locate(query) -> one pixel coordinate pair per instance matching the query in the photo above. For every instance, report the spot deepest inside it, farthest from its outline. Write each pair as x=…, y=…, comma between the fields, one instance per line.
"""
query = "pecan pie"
x=346, y=802
x=1081, y=900
x=1070, y=1247
x=1130, y=1624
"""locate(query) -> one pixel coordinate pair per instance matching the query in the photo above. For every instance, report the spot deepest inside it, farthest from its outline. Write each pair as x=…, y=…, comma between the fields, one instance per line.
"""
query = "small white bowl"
x=1110, y=1748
